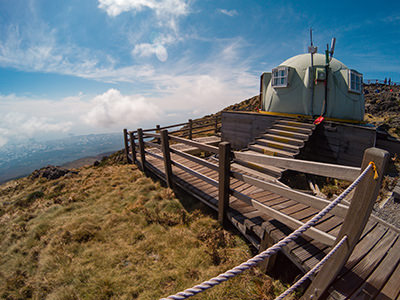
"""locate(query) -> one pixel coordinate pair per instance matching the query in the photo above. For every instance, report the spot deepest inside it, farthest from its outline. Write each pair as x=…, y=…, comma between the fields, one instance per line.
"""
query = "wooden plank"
x=353, y=279
x=318, y=203
x=311, y=167
x=391, y=290
x=194, y=173
x=381, y=274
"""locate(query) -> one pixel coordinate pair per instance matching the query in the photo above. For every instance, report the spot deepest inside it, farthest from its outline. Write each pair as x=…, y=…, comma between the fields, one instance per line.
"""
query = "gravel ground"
x=390, y=212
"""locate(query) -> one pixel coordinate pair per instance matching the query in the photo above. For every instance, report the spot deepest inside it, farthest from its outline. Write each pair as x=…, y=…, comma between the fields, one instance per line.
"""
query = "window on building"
x=280, y=77
x=355, y=81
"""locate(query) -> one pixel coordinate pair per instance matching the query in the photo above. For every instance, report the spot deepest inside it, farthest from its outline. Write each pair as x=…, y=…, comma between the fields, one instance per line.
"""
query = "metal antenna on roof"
x=333, y=42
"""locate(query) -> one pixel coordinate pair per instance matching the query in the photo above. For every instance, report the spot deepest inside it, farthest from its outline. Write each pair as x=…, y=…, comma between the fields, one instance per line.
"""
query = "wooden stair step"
x=278, y=145
x=282, y=139
x=297, y=124
x=271, y=151
x=292, y=129
x=290, y=134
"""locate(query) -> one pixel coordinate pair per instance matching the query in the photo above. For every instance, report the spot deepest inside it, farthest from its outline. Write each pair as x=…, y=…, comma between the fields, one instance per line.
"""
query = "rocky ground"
x=382, y=108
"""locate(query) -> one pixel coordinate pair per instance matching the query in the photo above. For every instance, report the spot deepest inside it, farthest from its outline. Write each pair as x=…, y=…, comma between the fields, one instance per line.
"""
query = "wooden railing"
x=355, y=215
x=188, y=129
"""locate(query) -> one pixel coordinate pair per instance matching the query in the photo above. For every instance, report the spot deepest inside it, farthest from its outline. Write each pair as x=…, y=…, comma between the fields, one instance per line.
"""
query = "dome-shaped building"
x=313, y=85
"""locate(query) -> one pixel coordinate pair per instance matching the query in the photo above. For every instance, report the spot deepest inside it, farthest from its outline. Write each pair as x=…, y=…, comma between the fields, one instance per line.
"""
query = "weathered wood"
x=354, y=223
x=190, y=129
x=216, y=125
x=126, y=146
x=201, y=146
x=315, y=202
x=133, y=147
x=196, y=159
x=158, y=156
x=224, y=182
x=196, y=174
x=305, y=166
x=147, y=134
x=141, y=149
x=172, y=126
x=289, y=221
x=266, y=242
x=167, y=157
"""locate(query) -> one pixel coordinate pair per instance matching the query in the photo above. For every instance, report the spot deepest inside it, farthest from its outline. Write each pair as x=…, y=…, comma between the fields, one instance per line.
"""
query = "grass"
x=111, y=233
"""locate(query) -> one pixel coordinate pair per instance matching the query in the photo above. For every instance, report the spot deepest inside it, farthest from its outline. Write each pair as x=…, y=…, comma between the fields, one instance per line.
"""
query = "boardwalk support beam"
x=126, y=146
x=354, y=222
x=167, y=157
x=141, y=149
x=224, y=182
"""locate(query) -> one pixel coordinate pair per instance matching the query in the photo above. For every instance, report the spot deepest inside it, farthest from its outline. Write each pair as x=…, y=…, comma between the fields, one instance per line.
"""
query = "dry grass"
x=111, y=233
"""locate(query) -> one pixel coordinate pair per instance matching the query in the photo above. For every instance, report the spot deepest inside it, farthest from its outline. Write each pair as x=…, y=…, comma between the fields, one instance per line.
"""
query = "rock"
x=51, y=172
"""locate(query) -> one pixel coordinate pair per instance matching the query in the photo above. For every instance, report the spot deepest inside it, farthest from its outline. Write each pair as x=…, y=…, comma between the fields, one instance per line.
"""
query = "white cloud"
x=230, y=13
x=113, y=109
x=146, y=50
x=16, y=125
x=161, y=7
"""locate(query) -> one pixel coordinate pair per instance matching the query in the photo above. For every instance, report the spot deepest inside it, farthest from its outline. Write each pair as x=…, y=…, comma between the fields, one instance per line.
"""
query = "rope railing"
x=271, y=250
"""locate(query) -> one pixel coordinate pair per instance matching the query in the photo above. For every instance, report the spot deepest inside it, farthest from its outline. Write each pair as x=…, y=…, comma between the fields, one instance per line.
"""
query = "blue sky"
x=79, y=67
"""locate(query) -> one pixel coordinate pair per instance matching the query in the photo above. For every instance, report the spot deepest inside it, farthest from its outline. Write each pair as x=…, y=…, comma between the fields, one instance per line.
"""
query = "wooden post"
x=158, y=131
x=141, y=149
x=133, y=146
x=357, y=217
x=167, y=158
x=216, y=125
x=126, y=146
x=190, y=129
x=224, y=182
x=267, y=265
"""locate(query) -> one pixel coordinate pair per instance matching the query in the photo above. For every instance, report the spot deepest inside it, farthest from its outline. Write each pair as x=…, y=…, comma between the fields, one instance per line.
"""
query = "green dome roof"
x=303, y=61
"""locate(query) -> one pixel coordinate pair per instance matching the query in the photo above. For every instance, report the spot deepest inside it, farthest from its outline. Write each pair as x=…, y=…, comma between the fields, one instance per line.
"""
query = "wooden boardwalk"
x=373, y=269
x=371, y=272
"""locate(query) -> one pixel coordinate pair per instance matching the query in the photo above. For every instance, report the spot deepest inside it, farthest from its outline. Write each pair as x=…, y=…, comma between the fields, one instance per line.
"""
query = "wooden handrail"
x=196, y=174
x=291, y=222
x=315, y=202
x=311, y=167
x=201, y=146
x=196, y=159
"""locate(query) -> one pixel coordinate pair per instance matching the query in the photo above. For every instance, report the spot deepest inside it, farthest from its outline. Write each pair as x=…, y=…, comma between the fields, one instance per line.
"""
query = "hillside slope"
x=109, y=232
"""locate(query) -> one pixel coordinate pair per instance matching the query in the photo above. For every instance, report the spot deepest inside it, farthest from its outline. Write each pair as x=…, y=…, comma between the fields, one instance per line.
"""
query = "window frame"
x=353, y=88
x=285, y=77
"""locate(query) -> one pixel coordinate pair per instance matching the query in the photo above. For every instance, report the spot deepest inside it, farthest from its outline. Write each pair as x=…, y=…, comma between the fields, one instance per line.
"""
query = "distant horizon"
x=99, y=66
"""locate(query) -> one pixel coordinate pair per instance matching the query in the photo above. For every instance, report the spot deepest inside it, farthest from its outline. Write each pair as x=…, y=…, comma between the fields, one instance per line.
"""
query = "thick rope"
x=268, y=252
x=312, y=271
